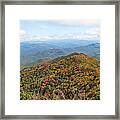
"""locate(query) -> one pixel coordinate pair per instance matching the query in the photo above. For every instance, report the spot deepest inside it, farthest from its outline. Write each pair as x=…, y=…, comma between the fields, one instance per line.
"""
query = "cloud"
x=79, y=22
x=61, y=37
x=88, y=34
x=23, y=34
x=89, y=22
x=94, y=30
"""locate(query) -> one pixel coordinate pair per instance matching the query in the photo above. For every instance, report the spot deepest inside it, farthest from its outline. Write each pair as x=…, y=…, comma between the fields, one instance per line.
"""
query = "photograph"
x=60, y=59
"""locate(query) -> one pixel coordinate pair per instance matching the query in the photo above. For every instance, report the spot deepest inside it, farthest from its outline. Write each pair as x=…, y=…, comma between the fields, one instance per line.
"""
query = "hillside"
x=72, y=77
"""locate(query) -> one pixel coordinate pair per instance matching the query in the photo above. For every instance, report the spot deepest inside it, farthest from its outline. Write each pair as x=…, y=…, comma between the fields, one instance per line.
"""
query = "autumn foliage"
x=72, y=77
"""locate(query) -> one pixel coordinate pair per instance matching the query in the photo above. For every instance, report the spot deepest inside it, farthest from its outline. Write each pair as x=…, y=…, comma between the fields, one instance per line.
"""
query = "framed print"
x=60, y=60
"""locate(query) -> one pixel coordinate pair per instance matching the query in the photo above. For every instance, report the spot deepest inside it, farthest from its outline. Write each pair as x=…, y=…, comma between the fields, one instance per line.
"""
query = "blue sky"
x=62, y=29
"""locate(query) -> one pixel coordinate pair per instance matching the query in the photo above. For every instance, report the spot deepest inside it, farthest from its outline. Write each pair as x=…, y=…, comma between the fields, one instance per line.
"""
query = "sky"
x=31, y=30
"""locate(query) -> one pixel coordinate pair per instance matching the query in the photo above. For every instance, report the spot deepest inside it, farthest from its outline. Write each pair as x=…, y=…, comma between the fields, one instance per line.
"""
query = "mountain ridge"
x=73, y=77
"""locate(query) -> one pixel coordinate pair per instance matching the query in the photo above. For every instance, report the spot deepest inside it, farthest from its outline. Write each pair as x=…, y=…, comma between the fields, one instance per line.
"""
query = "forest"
x=72, y=77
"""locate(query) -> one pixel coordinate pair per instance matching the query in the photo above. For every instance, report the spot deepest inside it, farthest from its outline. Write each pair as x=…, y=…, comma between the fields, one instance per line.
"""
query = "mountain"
x=91, y=50
x=36, y=51
x=72, y=77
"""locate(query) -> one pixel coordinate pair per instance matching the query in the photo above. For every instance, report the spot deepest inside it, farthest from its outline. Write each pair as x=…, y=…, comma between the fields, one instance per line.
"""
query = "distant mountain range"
x=38, y=51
